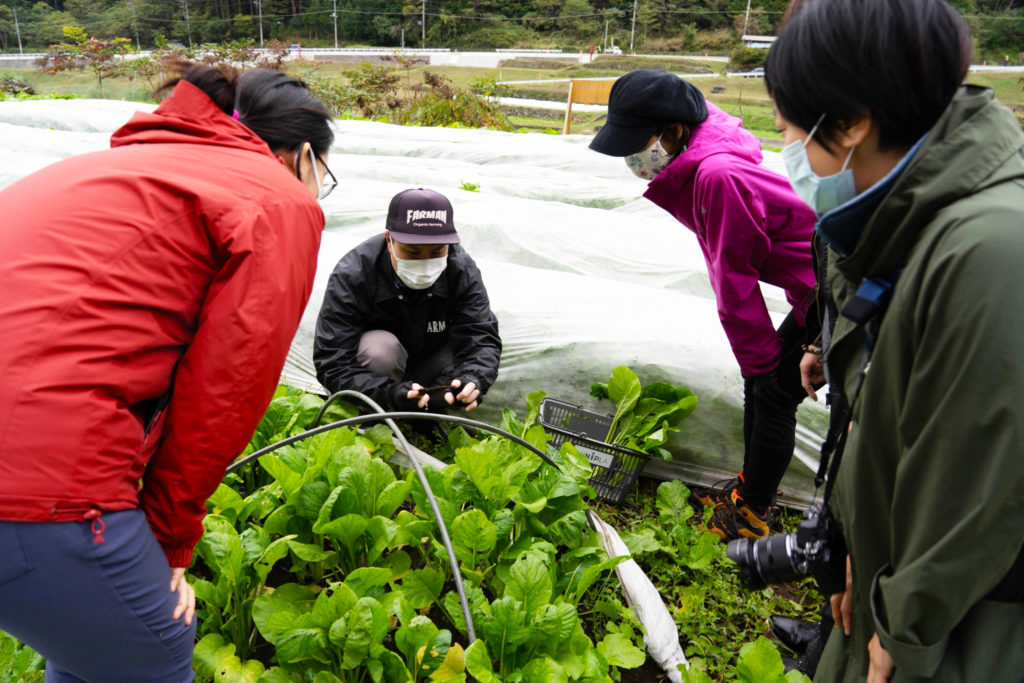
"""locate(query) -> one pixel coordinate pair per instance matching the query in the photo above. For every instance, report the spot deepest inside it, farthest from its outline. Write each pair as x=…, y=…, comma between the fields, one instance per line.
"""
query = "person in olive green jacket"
x=918, y=179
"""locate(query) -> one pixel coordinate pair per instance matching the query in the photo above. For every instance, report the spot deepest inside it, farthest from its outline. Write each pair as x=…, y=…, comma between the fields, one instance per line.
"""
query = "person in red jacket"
x=151, y=292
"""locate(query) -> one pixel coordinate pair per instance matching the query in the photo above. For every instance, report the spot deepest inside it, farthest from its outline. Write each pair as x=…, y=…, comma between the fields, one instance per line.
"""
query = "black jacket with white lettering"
x=364, y=294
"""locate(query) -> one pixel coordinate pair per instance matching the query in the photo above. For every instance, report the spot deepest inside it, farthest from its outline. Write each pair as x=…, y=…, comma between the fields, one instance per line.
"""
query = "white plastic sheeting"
x=583, y=274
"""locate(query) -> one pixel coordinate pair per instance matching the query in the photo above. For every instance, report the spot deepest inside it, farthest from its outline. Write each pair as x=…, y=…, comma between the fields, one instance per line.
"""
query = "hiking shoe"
x=714, y=496
x=739, y=520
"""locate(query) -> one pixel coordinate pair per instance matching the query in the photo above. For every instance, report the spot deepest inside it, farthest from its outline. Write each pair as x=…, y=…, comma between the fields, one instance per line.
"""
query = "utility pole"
x=606, y=35
x=131, y=5
x=188, y=26
x=18, y=31
x=335, y=15
x=746, y=19
x=259, y=8
x=423, y=26
x=403, y=37
x=632, y=31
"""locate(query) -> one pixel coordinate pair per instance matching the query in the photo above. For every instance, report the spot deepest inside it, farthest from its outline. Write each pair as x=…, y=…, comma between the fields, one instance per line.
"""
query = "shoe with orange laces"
x=715, y=496
x=739, y=520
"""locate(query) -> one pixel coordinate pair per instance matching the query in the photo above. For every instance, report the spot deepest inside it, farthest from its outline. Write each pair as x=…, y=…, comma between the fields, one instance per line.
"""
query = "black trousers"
x=769, y=419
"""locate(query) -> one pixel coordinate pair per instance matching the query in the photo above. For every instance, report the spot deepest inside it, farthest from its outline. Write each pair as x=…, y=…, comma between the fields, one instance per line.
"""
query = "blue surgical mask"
x=821, y=193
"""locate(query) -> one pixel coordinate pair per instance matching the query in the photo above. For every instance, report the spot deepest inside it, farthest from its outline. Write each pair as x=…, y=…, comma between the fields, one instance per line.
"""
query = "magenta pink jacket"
x=751, y=227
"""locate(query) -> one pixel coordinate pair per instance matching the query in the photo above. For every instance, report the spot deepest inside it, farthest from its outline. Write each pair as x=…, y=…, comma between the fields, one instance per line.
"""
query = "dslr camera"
x=816, y=549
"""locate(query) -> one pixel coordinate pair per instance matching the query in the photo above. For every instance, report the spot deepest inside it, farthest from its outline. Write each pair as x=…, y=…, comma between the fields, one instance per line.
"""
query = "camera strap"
x=865, y=309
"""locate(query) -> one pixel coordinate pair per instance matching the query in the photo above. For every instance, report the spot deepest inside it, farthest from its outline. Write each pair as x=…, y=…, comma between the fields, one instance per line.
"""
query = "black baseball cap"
x=421, y=216
x=640, y=103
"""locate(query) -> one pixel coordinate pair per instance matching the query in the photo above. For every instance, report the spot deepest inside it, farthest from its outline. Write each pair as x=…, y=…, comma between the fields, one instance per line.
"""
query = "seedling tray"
x=615, y=469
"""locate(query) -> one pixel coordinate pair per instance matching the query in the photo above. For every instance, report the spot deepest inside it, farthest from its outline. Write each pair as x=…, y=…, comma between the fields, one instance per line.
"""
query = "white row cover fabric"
x=583, y=274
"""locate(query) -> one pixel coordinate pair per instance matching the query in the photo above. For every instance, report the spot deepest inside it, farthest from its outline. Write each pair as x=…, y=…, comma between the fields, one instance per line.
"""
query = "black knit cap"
x=421, y=216
x=640, y=103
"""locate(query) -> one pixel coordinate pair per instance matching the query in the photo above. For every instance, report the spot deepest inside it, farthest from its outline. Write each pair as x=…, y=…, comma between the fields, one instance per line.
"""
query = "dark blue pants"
x=97, y=612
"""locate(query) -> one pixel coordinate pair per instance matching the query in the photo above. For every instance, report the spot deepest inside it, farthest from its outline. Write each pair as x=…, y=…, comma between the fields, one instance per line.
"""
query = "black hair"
x=676, y=144
x=274, y=105
x=898, y=61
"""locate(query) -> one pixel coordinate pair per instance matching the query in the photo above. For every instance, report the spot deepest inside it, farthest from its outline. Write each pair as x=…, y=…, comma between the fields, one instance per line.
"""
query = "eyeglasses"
x=324, y=186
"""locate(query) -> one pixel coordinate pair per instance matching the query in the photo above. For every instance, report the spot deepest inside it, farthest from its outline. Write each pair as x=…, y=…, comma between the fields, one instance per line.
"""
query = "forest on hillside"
x=659, y=25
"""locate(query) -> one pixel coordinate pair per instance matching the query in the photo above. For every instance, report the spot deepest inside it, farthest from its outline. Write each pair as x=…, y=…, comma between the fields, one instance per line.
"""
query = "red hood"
x=188, y=116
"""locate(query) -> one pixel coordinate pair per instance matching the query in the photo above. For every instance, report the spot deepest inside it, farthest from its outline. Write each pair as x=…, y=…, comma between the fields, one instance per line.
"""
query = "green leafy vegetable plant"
x=332, y=568
x=644, y=415
x=19, y=663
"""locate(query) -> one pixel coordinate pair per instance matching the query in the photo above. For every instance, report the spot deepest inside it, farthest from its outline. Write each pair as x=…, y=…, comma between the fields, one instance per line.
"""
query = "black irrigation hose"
x=452, y=560
x=382, y=415
x=386, y=417
x=378, y=417
x=438, y=417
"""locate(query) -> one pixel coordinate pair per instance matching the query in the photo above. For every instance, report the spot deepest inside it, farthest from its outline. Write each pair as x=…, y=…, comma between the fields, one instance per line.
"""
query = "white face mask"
x=650, y=161
x=419, y=273
x=821, y=193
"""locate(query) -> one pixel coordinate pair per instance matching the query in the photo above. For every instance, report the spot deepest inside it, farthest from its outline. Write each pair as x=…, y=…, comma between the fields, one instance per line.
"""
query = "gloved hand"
x=466, y=392
x=406, y=396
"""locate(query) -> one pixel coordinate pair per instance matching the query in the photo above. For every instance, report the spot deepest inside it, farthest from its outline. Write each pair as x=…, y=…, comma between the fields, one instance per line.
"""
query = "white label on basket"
x=596, y=457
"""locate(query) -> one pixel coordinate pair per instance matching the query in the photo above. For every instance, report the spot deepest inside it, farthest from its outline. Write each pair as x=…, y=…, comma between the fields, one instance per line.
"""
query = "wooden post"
x=567, y=126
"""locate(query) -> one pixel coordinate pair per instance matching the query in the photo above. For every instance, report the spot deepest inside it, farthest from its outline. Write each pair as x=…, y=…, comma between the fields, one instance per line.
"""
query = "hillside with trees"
x=659, y=25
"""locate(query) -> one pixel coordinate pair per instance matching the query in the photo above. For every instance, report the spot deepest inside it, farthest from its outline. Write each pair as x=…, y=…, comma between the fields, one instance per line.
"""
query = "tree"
x=243, y=26
x=578, y=19
x=102, y=57
x=757, y=25
x=6, y=26
x=43, y=26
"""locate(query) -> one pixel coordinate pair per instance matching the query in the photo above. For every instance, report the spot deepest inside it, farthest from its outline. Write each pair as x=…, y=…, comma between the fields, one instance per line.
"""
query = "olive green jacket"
x=930, y=492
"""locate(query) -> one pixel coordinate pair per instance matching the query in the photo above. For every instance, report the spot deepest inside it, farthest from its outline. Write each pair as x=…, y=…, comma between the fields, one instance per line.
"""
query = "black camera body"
x=816, y=548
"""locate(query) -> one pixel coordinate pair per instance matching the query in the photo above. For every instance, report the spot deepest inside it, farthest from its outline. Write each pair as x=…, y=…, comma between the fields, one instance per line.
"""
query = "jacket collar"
x=841, y=227
x=967, y=149
x=189, y=116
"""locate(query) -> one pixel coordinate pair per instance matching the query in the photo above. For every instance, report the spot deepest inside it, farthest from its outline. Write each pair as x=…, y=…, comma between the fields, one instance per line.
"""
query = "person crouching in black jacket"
x=407, y=311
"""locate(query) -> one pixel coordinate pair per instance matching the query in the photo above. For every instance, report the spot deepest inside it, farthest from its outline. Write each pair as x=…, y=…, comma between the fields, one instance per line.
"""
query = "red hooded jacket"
x=150, y=294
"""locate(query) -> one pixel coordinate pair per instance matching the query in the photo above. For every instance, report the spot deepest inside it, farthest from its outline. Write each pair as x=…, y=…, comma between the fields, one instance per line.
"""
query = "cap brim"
x=621, y=141
x=411, y=238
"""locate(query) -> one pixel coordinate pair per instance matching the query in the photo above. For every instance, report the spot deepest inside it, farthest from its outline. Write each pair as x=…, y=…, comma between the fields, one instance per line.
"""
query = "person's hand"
x=469, y=394
x=186, y=595
x=881, y=666
x=406, y=396
x=842, y=603
x=812, y=373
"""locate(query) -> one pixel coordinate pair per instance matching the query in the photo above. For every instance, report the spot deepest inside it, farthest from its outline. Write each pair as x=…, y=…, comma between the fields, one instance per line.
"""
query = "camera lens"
x=773, y=559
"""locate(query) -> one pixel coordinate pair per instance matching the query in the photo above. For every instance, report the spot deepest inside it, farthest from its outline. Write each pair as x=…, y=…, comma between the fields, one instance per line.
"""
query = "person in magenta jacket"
x=704, y=169
x=151, y=292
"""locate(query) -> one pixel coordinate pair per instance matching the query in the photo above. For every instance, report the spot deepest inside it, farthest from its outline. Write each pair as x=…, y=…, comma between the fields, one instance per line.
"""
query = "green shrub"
x=744, y=58
x=446, y=105
x=373, y=92
x=488, y=86
x=718, y=40
x=15, y=85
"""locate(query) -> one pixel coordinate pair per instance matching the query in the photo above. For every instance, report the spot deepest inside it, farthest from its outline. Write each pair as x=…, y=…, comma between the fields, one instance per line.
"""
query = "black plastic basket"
x=615, y=469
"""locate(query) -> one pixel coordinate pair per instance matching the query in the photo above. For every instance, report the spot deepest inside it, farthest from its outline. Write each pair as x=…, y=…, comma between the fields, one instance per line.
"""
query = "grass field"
x=743, y=97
